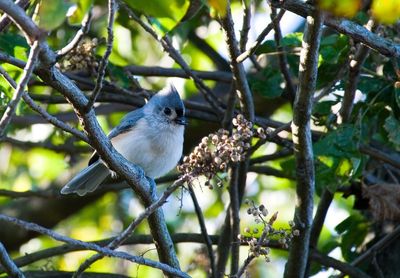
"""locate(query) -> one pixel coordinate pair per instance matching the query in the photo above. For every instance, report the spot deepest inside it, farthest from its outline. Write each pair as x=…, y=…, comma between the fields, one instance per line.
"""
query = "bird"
x=150, y=137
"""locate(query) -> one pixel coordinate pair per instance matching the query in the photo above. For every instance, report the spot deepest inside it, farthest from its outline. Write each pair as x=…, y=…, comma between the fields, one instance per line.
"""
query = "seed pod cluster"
x=82, y=57
x=216, y=151
x=258, y=244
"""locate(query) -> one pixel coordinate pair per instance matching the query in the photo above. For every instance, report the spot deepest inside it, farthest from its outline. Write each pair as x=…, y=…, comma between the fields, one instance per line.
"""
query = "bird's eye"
x=167, y=111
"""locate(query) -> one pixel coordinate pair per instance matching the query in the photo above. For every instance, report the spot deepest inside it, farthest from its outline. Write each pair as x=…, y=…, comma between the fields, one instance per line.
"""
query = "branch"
x=19, y=90
x=344, y=26
x=301, y=132
x=244, y=32
x=23, y=22
x=240, y=79
x=49, y=118
x=91, y=246
x=8, y=264
x=283, y=62
x=129, y=230
x=104, y=60
x=133, y=174
x=203, y=229
x=222, y=76
x=380, y=155
x=336, y=264
x=355, y=66
x=260, y=38
x=175, y=55
x=78, y=36
x=5, y=20
x=67, y=148
x=318, y=222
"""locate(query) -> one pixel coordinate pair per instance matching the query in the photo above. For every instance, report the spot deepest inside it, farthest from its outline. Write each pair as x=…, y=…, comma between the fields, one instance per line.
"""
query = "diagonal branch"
x=91, y=246
x=19, y=90
x=8, y=264
x=104, y=61
x=115, y=243
x=51, y=119
x=308, y=70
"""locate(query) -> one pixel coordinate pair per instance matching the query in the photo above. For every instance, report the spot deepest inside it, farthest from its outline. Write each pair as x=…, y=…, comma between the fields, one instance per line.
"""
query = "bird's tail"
x=87, y=180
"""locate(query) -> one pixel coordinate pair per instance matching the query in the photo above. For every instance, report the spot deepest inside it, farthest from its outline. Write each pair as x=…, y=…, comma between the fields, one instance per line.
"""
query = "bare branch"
x=301, y=131
x=78, y=36
x=240, y=80
x=222, y=76
x=8, y=264
x=174, y=54
x=19, y=90
x=344, y=26
x=49, y=118
x=5, y=20
x=355, y=66
x=283, y=62
x=129, y=230
x=260, y=38
x=23, y=22
x=91, y=246
x=203, y=229
x=104, y=61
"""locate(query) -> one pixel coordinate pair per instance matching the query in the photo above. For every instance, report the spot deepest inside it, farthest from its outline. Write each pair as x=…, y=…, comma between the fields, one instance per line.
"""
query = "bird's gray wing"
x=126, y=124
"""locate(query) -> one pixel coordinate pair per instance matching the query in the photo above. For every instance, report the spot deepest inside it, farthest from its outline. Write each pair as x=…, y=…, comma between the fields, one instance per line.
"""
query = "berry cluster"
x=259, y=244
x=218, y=150
x=82, y=57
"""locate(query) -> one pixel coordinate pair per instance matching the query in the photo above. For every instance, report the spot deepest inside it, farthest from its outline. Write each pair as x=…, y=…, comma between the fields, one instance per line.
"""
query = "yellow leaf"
x=386, y=11
x=342, y=8
x=219, y=6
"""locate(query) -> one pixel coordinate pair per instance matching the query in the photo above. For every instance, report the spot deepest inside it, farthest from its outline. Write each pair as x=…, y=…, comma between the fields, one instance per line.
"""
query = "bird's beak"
x=181, y=121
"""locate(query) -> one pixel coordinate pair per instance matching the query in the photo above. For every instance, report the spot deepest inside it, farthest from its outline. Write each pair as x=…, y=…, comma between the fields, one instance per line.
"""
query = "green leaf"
x=82, y=7
x=267, y=83
x=392, y=126
x=52, y=13
x=353, y=231
x=339, y=143
x=266, y=47
x=166, y=14
x=14, y=44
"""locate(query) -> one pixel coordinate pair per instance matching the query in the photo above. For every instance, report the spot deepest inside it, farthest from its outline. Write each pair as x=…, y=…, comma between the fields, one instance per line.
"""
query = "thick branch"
x=301, y=131
x=344, y=26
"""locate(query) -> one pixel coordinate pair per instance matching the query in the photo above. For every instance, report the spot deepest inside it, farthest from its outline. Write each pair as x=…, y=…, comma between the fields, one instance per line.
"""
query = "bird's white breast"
x=156, y=150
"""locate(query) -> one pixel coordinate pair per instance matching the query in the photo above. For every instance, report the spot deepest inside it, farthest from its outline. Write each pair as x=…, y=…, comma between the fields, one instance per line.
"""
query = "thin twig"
x=129, y=230
x=260, y=38
x=8, y=264
x=240, y=79
x=78, y=36
x=203, y=229
x=104, y=61
x=283, y=62
x=91, y=246
x=19, y=90
x=222, y=76
x=174, y=54
x=244, y=32
x=355, y=66
x=51, y=119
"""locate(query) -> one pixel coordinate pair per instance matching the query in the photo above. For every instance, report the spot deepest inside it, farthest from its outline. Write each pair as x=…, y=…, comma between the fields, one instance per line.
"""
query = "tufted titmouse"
x=150, y=137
